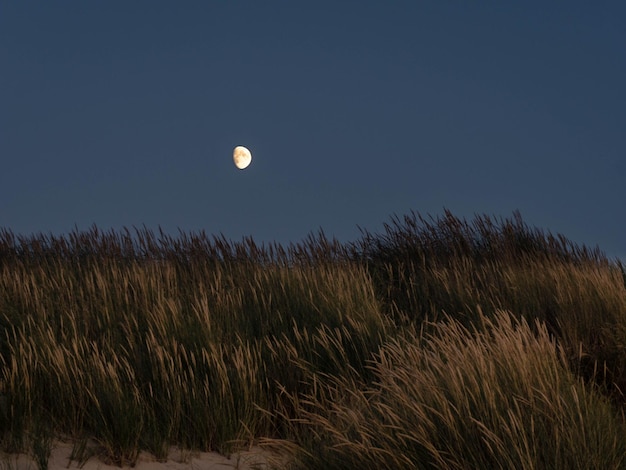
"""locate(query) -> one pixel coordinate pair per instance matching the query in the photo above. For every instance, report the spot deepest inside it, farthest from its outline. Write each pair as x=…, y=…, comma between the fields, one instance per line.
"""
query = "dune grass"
x=499, y=395
x=438, y=343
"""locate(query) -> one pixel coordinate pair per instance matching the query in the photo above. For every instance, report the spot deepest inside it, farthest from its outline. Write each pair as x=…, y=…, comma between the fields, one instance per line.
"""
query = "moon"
x=242, y=157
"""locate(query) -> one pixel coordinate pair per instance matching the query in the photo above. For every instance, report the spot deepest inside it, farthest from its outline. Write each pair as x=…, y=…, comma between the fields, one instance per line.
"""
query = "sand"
x=252, y=459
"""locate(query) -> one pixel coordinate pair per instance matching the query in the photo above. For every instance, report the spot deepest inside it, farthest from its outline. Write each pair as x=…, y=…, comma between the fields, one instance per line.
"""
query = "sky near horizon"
x=126, y=113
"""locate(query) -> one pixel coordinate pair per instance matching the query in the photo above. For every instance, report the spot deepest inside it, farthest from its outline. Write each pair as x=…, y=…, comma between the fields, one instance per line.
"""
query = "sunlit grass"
x=394, y=348
x=496, y=396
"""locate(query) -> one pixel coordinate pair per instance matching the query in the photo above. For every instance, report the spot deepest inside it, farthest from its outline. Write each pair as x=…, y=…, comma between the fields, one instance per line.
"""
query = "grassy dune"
x=438, y=343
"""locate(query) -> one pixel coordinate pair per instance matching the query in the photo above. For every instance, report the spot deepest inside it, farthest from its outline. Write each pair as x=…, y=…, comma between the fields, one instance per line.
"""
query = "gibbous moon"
x=242, y=157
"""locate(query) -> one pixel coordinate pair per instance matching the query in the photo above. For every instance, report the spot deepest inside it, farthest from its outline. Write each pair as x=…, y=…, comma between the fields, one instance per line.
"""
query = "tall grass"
x=391, y=347
x=145, y=344
x=423, y=268
x=496, y=396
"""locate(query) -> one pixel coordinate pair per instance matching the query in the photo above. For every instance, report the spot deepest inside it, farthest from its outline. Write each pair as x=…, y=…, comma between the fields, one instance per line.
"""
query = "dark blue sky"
x=123, y=113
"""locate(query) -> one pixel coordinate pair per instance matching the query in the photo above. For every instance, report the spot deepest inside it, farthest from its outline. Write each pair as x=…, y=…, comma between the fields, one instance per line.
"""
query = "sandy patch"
x=253, y=459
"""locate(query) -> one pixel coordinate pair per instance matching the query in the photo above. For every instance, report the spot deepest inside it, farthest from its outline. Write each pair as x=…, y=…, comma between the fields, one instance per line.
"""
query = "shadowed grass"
x=423, y=268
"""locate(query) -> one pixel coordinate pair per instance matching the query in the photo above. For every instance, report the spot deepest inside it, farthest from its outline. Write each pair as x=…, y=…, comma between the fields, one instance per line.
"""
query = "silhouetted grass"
x=393, y=349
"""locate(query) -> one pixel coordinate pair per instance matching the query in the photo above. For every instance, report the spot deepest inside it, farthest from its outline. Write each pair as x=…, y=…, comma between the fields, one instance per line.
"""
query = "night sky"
x=126, y=113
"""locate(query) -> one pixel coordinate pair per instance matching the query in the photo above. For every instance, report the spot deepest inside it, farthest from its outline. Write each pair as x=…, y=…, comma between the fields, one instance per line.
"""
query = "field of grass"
x=438, y=343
